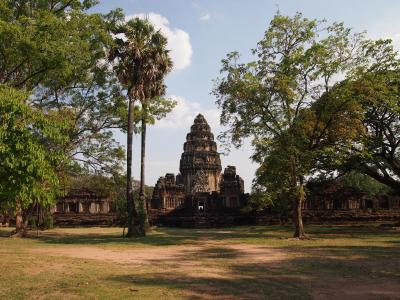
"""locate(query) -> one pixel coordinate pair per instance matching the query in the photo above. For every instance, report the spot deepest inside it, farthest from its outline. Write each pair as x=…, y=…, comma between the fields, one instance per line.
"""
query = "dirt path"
x=181, y=255
x=209, y=268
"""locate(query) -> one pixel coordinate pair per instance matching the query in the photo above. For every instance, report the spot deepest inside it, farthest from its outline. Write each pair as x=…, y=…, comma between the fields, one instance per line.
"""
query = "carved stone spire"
x=200, y=154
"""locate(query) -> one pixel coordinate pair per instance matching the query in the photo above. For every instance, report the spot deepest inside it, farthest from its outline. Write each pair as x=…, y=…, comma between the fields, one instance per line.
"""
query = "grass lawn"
x=339, y=262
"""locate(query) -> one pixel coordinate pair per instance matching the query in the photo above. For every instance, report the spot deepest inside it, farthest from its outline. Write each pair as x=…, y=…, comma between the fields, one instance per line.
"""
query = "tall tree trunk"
x=142, y=192
x=20, y=228
x=298, y=196
x=297, y=215
x=129, y=192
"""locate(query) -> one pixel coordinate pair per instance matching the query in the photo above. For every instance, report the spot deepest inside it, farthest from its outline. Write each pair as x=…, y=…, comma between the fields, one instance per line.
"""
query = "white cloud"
x=184, y=113
x=396, y=41
x=178, y=39
x=205, y=16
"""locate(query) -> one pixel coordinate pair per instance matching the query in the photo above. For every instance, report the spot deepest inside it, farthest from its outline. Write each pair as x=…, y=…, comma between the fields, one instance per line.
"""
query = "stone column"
x=91, y=207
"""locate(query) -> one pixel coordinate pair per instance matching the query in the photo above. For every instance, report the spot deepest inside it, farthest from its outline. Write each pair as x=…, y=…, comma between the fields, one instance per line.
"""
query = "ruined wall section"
x=168, y=192
x=231, y=188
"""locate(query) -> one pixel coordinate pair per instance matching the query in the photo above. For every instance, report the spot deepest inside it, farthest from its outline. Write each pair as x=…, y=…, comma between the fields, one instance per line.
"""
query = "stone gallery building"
x=200, y=188
x=84, y=207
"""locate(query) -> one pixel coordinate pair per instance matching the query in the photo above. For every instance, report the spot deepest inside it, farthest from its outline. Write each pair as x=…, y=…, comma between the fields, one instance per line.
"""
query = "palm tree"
x=142, y=62
x=153, y=89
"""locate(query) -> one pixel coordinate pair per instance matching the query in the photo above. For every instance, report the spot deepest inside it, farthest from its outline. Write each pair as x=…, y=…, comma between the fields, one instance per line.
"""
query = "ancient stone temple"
x=84, y=207
x=200, y=189
x=200, y=160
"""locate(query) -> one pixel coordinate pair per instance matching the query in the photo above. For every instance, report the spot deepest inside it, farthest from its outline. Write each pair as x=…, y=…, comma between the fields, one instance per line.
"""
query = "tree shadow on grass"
x=258, y=283
x=351, y=273
x=162, y=237
x=242, y=234
x=104, y=239
x=225, y=273
x=211, y=253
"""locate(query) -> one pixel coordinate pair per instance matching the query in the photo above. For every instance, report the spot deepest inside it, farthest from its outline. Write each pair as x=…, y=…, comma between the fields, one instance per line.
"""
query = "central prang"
x=200, y=159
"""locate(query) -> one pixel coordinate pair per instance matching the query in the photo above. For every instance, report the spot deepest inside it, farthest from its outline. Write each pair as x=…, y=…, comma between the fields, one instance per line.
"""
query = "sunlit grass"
x=217, y=263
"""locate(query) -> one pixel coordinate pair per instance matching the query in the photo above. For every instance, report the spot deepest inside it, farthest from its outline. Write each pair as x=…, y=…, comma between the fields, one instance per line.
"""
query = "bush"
x=48, y=222
x=32, y=223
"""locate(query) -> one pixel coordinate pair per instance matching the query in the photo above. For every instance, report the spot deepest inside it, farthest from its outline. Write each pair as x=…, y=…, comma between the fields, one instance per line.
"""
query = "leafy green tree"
x=57, y=51
x=28, y=173
x=46, y=43
x=376, y=86
x=273, y=100
x=141, y=64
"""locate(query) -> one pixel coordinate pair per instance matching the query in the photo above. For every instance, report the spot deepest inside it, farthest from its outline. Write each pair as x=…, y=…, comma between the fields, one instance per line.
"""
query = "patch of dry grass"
x=339, y=262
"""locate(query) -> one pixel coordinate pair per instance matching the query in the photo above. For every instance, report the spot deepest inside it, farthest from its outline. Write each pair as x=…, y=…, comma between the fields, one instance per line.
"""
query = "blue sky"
x=201, y=33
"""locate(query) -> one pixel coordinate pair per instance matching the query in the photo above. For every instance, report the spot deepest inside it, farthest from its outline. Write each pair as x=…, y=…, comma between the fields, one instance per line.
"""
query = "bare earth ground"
x=339, y=262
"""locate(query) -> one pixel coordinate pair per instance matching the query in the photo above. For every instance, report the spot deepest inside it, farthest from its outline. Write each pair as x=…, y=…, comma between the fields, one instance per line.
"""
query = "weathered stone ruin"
x=169, y=192
x=231, y=188
x=202, y=195
x=333, y=202
x=84, y=207
x=200, y=191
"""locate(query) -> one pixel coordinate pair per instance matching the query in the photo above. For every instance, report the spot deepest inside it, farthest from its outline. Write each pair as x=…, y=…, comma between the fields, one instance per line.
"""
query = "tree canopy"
x=289, y=103
x=377, y=153
x=54, y=68
x=27, y=169
x=57, y=52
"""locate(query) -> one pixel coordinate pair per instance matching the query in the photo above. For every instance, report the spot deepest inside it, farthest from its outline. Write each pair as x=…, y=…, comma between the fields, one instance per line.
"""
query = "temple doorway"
x=201, y=206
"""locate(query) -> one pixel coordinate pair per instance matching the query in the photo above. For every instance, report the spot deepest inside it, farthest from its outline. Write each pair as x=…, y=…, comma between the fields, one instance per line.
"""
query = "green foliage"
x=58, y=52
x=27, y=168
x=32, y=222
x=100, y=184
x=120, y=201
x=141, y=58
x=158, y=107
x=141, y=62
x=287, y=101
x=364, y=183
x=378, y=90
x=258, y=201
x=48, y=222
x=122, y=210
x=47, y=42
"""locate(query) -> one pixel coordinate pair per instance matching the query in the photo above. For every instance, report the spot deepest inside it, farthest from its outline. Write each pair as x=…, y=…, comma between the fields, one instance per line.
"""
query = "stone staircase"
x=189, y=219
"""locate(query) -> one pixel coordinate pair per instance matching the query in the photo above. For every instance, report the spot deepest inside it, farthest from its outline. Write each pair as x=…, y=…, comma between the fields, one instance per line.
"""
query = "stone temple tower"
x=200, y=164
